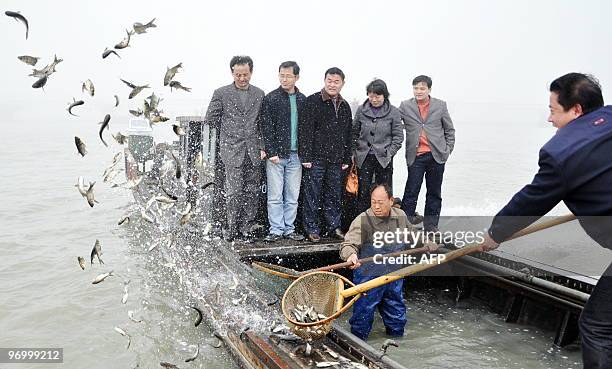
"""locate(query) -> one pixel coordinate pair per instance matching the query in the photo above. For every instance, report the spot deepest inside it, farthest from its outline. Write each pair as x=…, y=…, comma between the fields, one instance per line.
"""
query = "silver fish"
x=121, y=139
x=73, y=104
x=81, y=262
x=140, y=28
x=178, y=168
x=171, y=72
x=146, y=217
x=177, y=85
x=124, y=333
x=164, y=200
x=101, y=277
x=136, y=113
x=80, y=185
x=159, y=119
x=116, y=101
x=124, y=219
x=104, y=124
x=89, y=87
x=388, y=342
x=49, y=69
x=125, y=297
x=90, y=195
x=154, y=101
x=125, y=42
x=80, y=146
x=41, y=82
x=134, y=182
x=197, y=352
x=19, y=18
x=108, y=51
x=131, y=316
x=168, y=365
x=199, y=318
x=326, y=364
x=135, y=89
x=96, y=251
x=31, y=60
x=178, y=130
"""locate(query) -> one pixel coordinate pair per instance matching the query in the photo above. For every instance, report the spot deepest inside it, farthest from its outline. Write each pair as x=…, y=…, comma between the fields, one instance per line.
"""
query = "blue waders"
x=388, y=299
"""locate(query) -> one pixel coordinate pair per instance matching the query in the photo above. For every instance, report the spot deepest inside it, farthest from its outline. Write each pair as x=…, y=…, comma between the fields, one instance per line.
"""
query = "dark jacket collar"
x=366, y=109
x=325, y=96
x=280, y=89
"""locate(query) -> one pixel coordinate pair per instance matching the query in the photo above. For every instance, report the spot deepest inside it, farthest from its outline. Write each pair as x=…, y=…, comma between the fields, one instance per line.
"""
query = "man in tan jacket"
x=360, y=242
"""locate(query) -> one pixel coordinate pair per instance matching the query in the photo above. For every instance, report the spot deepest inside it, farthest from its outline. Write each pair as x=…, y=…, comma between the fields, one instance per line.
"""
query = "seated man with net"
x=361, y=242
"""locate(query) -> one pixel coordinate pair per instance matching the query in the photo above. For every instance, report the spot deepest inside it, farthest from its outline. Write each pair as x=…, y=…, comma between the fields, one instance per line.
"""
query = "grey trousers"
x=242, y=187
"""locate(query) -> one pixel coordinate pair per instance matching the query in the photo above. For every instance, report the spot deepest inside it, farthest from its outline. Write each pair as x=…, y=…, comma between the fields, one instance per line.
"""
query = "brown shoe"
x=313, y=237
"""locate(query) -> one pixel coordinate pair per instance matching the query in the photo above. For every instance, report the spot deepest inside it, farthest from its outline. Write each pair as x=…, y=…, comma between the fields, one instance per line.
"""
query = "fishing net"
x=313, y=301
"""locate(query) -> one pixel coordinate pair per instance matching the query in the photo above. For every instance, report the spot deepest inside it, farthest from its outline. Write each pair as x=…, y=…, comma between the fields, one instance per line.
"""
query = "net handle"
x=276, y=270
x=401, y=273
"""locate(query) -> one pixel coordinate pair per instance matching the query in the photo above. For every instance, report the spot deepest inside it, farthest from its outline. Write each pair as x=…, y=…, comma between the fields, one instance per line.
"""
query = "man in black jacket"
x=575, y=168
x=326, y=142
x=283, y=115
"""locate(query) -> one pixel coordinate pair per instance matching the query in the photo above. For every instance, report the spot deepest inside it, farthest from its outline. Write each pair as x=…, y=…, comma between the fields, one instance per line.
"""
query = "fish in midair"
x=135, y=89
x=108, y=51
x=19, y=18
x=171, y=72
x=158, y=118
x=198, y=162
x=131, y=316
x=177, y=165
x=168, y=365
x=125, y=42
x=80, y=185
x=104, y=124
x=136, y=113
x=124, y=219
x=177, y=85
x=89, y=87
x=388, y=342
x=81, y=262
x=154, y=101
x=90, y=195
x=116, y=101
x=73, y=104
x=178, y=130
x=80, y=146
x=31, y=60
x=186, y=215
x=41, y=82
x=199, y=318
x=124, y=333
x=140, y=28
x=101, y=277
x=47, y=70
x=96, y=251
x=121, y=139
x=192, y=358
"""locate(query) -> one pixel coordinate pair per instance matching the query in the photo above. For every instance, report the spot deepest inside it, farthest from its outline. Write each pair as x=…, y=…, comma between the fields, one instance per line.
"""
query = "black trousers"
x=596, y=325
x=371, y=172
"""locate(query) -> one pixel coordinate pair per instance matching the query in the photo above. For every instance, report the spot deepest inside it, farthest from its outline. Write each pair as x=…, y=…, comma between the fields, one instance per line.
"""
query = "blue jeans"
x=323, y=182
x=424, y=165
x=284, y=181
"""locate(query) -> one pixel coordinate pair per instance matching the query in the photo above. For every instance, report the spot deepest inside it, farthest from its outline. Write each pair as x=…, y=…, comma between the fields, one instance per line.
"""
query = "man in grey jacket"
x=430, y=138
x=234, y=110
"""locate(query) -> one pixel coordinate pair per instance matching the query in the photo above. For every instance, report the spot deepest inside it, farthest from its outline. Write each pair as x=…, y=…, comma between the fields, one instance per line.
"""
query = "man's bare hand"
x=353, y=259
x=307, y=165
x=431, y=246
x=275, y=159
x=488, y=244
x=262, y=154
x=344, y=166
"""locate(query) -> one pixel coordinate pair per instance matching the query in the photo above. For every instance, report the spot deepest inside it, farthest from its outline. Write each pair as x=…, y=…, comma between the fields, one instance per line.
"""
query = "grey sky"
x=479, y=53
